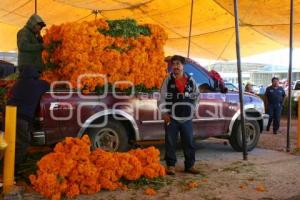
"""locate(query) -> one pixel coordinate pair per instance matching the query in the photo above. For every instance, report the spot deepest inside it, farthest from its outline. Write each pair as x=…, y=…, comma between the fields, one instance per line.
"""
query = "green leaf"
x=137, y=89
x=2, y=91
x=125, y=28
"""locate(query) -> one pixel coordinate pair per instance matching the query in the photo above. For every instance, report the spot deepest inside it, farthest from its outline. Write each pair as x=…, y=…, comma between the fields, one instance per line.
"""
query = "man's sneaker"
x=170, y=170
x=192, y=170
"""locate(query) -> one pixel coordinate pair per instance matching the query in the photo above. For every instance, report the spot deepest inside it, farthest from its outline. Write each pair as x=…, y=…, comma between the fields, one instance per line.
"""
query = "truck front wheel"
x=112, y=137
x=252, y=133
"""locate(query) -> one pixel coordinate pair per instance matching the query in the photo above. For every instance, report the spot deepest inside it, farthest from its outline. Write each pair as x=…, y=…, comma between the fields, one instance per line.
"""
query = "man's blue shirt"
x=275, y=95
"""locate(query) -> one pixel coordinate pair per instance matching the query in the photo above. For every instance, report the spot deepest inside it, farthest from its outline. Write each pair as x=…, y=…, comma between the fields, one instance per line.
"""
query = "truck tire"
x=112, y=137
x=252, y=135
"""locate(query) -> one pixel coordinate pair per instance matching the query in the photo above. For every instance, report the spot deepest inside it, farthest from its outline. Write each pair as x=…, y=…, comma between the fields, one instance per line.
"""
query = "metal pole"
x=290, y=75
x=190, y=30
x=35, y=6
x=298, y=130
x=9, y=153
x=239, y=71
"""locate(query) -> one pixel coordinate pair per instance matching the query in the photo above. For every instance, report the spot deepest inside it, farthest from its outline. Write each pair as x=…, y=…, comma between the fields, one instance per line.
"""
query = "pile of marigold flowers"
x=5, y=92
x=6, y=86
x=74, y=169
x=120, y=49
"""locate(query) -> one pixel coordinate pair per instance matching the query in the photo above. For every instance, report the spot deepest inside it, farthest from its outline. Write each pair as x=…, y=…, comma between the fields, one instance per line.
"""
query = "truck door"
x=63, y=114
x=148, y=117
x=67, y=114
x=209, y=120
x=49, y=124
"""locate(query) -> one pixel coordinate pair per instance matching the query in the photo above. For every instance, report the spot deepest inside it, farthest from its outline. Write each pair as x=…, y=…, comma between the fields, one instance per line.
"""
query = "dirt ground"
x=269, y=174
x=278, y=142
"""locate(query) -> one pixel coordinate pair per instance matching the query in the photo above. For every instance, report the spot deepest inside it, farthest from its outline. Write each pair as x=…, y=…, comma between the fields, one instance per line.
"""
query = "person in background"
x=204, y=88
x=249, y=88
x=30, y=43
x=274, y=99
x=179, y=87
x=25, y=95
x=262, y=89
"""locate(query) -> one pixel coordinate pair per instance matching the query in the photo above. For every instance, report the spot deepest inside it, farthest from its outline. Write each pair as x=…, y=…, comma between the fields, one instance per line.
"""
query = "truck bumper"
x=265, y=121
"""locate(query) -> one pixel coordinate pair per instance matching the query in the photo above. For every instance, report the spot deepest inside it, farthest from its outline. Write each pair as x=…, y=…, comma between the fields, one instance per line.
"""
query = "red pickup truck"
x=115, y=121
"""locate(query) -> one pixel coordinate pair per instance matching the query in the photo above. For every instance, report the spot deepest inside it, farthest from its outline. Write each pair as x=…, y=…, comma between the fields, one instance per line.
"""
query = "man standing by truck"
x=30, y=43
x=178, y=97
x=25, y=95
x=274, y=98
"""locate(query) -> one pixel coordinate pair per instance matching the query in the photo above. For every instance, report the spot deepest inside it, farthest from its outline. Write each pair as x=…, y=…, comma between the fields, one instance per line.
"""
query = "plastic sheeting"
x=264, y=23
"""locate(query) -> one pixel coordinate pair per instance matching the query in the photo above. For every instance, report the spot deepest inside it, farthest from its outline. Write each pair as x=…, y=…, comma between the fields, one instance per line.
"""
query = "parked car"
x=231, y=86
x=295, y=90
x=6, y=68
x=255, y=89
x=259, y=90
x=115, y=121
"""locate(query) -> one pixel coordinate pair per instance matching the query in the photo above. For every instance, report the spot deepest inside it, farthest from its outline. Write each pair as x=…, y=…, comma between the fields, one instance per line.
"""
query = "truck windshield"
x=197, y=74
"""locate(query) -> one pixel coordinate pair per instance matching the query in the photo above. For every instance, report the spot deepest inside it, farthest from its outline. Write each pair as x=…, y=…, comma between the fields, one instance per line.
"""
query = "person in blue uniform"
x=274, y=97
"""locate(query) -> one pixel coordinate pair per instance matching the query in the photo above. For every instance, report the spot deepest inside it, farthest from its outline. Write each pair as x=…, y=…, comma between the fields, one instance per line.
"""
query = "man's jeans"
x=22, y=140
x=274, y=115
x=187, y=140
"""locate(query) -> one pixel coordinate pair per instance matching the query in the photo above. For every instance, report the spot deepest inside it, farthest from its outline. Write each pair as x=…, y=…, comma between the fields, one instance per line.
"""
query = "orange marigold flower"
x=192, y=184
x=139, y=60
x=260, y=188
x=72, y=169
x=150, y=192
x=72, y=190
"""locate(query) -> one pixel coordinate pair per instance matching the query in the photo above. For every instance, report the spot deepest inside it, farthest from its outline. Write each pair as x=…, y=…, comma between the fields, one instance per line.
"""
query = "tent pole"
x=239, y=71
x=290, y=74
x=190, y=30
x=35, y=6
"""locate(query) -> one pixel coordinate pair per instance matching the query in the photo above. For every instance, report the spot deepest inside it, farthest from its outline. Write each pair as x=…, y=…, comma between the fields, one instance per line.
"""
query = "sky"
x=278, y=57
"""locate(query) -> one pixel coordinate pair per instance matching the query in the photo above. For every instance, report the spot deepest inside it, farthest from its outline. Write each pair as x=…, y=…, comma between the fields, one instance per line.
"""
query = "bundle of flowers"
x=5, y=91
x=149, y=159
x=120, y=49
x=72, y=169
x=5, y=87
x=218, y=81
